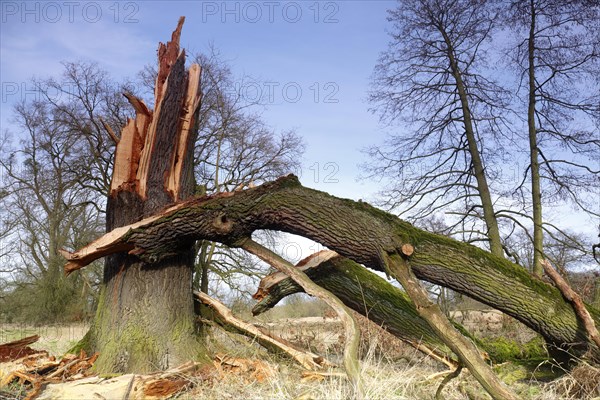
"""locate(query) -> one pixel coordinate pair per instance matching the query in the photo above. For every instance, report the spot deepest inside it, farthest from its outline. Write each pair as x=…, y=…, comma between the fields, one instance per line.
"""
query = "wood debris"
x=318, y=376
x=249, y=370
x=17, y=349
x=44, y=377
x=38, y=369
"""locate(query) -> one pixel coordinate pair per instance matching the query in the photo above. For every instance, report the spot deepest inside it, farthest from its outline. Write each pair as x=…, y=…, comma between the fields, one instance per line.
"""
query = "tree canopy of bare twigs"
x=494, y=110
x=557, y=58
x=429, y=83
x=58, y=169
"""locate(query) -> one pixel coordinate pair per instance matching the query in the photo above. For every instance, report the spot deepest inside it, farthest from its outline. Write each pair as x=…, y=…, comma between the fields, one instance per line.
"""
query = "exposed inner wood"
x=107, y=243
x=153, y=169
x=192, y=102
x=110, y=132
x=407, y=249
x=312, y=261
x=136, y=156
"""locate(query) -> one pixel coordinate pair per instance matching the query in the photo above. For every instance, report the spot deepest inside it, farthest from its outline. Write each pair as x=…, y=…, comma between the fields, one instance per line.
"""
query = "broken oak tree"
x=355, y=230
x=145, y=317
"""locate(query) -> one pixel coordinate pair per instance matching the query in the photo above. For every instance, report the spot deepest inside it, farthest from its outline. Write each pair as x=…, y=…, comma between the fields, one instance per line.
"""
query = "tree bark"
x=145, y=318
x=360, y=232
x=483, y=188
x=536, y=191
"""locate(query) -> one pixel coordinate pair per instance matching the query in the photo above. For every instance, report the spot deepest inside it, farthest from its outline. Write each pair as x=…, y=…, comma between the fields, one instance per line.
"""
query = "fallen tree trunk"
x=363, y=292
x=360, y=232
x=371, y=296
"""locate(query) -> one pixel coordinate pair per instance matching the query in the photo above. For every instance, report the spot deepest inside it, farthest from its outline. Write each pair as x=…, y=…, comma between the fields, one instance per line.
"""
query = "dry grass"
x=383, y=378
x=390, y=369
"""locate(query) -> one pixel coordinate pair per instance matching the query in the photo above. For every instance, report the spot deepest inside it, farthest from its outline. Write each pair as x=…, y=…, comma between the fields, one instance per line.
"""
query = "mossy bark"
x=145, y=319
x=388, y=306
x=465, y=349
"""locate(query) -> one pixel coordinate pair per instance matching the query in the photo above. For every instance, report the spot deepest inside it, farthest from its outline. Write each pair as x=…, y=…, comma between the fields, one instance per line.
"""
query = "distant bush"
x=40, y=303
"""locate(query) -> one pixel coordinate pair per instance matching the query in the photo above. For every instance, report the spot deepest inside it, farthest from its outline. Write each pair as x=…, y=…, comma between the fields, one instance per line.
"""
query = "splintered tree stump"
x=145, y=319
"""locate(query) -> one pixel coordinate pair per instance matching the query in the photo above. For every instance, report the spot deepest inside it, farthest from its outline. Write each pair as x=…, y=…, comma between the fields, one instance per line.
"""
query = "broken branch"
x=575, y=300
x=465, y=350
x=226, y=318
x=363, y=292
x=352, y=332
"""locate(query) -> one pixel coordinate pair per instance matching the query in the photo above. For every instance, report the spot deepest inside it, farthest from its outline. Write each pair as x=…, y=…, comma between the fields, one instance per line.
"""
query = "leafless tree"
x=55, y=180
x=557, y=57
x=430, y=82
x=47, y=206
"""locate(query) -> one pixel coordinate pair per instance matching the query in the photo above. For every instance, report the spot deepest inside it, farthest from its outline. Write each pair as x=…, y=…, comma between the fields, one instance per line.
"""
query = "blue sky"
x=317, y=58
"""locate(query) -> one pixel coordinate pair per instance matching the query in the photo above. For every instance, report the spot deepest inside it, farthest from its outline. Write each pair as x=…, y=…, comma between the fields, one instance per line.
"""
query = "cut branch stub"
x=407, y=249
